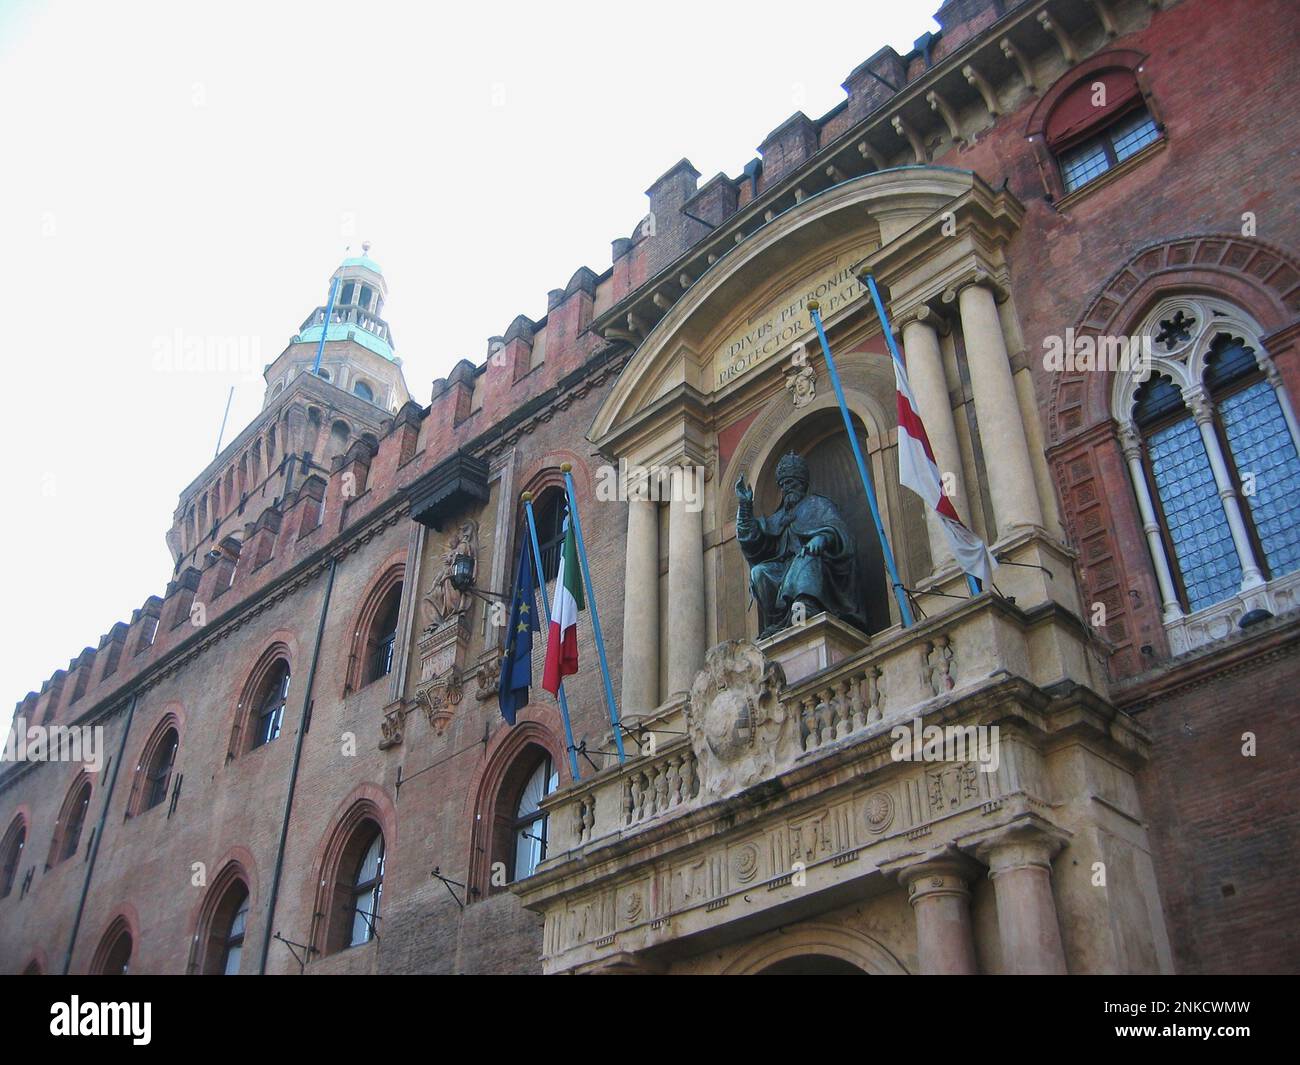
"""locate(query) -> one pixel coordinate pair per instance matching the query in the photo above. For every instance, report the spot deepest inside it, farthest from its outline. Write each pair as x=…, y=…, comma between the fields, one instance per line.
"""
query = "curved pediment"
x=750, y=306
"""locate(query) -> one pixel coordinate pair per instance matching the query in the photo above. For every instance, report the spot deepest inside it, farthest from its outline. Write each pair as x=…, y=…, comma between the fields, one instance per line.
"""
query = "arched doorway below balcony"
x=812, y=965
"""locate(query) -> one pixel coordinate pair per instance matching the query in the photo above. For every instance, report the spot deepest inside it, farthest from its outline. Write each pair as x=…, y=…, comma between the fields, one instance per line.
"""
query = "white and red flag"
x=918, y=471
x=562, y=641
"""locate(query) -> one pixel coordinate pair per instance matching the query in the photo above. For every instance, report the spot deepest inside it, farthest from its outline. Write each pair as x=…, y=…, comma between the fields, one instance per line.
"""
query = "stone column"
x=686, y=632
x=1002, y=432
x=1020, y=865
x=1199, y=400
x=641, y=609
x=930, y=387
x=1274, y=376
x=940, y=899
x=1132, y=448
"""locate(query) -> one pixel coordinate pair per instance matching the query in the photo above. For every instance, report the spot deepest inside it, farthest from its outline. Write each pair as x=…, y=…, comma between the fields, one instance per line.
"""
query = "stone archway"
x=812, y=965
x=805, y=948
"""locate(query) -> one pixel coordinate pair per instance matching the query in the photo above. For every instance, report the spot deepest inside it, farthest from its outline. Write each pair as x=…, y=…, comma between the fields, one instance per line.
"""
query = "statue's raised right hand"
x=743, y=491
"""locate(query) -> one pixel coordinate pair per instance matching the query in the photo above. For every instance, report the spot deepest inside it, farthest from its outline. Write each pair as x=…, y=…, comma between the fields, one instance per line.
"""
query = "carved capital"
x=1130, y=443
x=976, y=275
x=1028, y=843
x=923, y=314
x=934, y=875
x=1198, y=399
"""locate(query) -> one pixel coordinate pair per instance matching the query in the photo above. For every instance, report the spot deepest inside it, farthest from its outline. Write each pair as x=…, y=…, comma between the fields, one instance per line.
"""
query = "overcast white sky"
x=178, y=173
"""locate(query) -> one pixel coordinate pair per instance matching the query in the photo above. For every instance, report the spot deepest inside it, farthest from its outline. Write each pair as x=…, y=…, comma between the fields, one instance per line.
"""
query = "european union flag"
x=517, y=663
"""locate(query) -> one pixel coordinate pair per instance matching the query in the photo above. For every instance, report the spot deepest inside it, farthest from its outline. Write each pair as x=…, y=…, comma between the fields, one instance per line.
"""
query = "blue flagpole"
x=900, y=594
x=329, y=311
x=971, y=582
x=546, y=607
x=595, y=616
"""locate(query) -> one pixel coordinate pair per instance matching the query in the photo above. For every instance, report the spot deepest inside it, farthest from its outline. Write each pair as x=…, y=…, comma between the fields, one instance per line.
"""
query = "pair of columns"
x=686, y=628
x=1001, y=426
x=1020, y=866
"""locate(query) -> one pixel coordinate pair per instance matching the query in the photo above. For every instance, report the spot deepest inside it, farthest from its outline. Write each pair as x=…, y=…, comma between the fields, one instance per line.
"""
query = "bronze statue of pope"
x=801, y=553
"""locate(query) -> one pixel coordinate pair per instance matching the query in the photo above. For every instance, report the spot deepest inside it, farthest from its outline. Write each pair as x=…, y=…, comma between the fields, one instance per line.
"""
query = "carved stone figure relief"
x=448, y=595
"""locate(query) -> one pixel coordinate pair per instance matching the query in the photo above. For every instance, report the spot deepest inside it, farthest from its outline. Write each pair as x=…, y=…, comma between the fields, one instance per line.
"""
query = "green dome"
x=361, y=260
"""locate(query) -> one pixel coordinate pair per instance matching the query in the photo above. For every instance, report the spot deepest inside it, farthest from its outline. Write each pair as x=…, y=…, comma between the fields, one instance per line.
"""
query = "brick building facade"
x=304, y=727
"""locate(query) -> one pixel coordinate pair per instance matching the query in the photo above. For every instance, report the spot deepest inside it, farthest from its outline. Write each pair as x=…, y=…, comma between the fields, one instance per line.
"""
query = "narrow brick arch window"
x=268, y=712
x=259, y=714
x=113, y=956
x=355, y=886
x=11, y=855
x=72, y=820
x=548, y=512
x=529, y=826
x=226, y=936
x=382, y=640
x=156, y=769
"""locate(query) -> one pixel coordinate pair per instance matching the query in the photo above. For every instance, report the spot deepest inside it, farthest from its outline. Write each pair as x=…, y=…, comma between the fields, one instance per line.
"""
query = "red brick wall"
x=1225, y=828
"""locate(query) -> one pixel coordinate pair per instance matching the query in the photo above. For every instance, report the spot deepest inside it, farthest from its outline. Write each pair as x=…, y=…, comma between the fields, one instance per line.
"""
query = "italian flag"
x=562, y=642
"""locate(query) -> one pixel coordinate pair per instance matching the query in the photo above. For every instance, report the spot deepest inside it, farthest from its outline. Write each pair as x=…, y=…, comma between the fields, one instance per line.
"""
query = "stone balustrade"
x=900, y=675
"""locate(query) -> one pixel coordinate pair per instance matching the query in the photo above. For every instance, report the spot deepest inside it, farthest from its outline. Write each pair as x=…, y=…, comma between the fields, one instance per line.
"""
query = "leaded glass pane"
x=1133, y=134
x=1197, y=525
x=1084, y=163
x=1261, y=446
x=1228, y=361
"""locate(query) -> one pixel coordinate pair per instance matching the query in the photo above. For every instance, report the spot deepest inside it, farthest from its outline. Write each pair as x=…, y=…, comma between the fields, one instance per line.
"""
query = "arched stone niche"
x=816, y=432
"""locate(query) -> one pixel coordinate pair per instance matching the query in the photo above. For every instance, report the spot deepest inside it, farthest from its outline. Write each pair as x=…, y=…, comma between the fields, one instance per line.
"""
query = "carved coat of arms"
x=740, y=730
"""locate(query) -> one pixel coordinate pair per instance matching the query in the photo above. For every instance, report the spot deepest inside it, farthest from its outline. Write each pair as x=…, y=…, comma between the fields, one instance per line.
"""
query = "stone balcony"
x=768, y=800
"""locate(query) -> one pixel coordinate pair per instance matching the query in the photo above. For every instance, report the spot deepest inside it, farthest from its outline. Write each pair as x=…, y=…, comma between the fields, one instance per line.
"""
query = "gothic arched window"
x=1211, y=444
x=1259, y=444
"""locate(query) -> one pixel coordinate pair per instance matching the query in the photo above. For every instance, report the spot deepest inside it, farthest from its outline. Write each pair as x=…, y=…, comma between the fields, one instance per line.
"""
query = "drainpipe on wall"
x=99, y=834
x=293, y=774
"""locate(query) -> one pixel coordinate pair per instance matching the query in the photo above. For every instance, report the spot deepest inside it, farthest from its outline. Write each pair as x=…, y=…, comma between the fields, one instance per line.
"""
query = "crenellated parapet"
x=321, y=500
